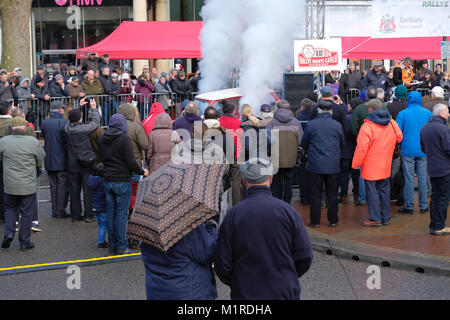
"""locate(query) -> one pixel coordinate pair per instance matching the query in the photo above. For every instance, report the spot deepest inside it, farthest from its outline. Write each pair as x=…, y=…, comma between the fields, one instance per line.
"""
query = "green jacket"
x=136, y=131
x=92, y=89
x=21, y=155
x=5, y=122
x=359, y=115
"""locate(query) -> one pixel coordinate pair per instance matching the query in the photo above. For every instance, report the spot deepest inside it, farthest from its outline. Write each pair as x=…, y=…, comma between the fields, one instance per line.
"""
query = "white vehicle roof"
x=220, y=94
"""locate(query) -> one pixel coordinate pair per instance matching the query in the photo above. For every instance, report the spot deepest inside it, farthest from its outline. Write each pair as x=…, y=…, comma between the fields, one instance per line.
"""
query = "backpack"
x=83, y=153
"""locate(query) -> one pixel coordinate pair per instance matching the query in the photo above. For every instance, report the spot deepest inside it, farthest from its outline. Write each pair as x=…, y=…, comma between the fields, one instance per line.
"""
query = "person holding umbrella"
x=173, y=218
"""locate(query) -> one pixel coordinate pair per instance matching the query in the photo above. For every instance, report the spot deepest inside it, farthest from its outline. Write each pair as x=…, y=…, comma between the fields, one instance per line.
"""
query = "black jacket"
x=396, y=106
x=57, y=91
x=435, y=142
x=118, y=157
x=344, y=85
x=182, y=88
x=79, y=138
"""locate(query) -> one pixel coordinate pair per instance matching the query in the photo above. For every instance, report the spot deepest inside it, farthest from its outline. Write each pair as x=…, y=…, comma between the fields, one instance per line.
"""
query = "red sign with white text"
x=317, y=57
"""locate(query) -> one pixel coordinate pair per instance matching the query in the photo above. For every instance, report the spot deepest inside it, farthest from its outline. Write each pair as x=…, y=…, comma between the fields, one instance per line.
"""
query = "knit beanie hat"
x=362, y=95
x=75, y=115
x=401, y=92
x=39, y=79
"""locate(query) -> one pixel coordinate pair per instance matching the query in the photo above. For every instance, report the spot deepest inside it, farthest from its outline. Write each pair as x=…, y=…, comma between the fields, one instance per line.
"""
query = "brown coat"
x=159, y=142
x=136, y=131
x=75, y=90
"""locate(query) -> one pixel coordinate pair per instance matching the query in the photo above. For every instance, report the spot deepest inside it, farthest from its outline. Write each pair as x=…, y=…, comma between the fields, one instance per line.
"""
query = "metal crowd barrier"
x=424, y=91
x=37, y=110
x=353, y=93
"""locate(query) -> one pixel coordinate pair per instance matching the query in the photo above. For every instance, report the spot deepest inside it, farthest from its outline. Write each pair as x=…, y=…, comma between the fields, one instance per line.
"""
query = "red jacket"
x=233, y=126
x=148, y=122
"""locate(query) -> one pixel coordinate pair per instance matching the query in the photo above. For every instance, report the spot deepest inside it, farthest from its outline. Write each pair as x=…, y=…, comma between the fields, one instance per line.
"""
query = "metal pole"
x=444, y=62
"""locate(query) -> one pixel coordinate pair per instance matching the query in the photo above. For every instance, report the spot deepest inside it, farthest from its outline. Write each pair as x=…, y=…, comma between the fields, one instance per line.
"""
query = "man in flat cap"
x=262, y=237
x=323, y=141
x=56, y=160
x=20, y=181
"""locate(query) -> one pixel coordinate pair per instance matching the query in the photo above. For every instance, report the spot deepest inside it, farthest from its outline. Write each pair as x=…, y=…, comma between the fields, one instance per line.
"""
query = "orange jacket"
x=376, y=143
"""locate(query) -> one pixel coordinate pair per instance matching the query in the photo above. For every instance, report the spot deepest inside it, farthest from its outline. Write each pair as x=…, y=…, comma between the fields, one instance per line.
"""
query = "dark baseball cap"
x=266, y=108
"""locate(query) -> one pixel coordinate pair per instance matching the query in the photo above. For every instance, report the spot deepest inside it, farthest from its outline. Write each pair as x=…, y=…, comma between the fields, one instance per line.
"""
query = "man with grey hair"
x=245, y=250
x=435, y=143
x=380, y=94
x=187, y=121
x=323, y=141
x=376, y=77
x=57, y=88
x=437, y=96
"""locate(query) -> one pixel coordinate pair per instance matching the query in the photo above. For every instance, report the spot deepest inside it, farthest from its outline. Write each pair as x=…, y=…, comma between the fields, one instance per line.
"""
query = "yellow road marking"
x=69, y=262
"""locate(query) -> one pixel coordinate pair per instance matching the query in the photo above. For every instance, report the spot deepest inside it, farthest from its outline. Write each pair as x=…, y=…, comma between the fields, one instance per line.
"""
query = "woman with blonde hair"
x=256, y=137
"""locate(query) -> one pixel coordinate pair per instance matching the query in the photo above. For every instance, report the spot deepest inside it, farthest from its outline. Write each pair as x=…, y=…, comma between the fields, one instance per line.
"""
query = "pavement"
x=404, y=244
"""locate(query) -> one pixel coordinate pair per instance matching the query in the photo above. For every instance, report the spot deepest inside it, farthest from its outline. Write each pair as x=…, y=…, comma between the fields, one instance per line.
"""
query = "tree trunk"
x=16, y=42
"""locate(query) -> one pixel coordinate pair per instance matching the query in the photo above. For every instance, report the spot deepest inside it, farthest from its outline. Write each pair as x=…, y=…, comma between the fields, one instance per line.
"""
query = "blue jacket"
x=184, y=272
x=304, y=117
x=55, y=150
x=375, y=80
x=410, y=121
x=323, y=141
x=339, y=114
x=263, y=248
x=97, y=187
x=435, y=141
x=186, y=122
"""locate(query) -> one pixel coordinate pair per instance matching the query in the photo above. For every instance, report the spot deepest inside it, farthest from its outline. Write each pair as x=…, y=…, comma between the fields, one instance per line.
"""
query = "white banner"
x=317, y=55
x=390, y=19
x=409, y=18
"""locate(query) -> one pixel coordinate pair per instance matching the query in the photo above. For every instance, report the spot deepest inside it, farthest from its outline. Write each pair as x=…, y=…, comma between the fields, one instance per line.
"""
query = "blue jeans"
x=102, y=226
x=361, y=190
x=440, y=196
x=106, y=110
x=379, y=199
x=118, y=195
x=411, y=165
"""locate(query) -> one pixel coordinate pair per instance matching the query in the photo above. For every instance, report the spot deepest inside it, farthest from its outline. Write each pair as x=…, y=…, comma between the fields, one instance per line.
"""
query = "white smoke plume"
x=253, y=36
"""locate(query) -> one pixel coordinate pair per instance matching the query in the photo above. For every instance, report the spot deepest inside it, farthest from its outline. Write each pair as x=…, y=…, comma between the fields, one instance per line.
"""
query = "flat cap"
x=256, y=170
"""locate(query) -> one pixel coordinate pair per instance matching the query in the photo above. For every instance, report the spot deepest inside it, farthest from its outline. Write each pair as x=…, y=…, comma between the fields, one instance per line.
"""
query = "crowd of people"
x=95, y=76
x=381, y=145
x=379, y=77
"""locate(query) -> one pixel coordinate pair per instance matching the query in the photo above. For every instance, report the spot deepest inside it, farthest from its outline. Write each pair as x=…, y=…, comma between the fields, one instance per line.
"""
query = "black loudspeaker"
x=296, y=86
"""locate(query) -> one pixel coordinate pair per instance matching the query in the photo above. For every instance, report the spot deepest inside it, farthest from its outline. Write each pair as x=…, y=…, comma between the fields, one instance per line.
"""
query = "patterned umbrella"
x=173, y=201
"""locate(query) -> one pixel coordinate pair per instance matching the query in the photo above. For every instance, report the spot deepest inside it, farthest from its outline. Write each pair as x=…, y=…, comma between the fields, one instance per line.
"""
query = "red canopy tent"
x=181, y=39
x=391, y=48
x=150, y=40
